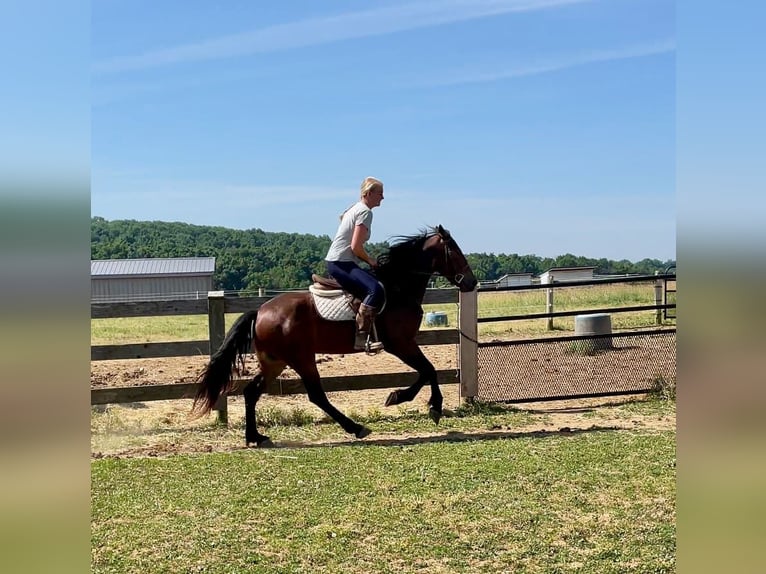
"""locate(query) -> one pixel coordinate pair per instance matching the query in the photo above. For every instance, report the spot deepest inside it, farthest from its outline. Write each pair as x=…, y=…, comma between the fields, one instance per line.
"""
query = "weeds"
x=272, y=416
x=482, y=408
x=664, y=389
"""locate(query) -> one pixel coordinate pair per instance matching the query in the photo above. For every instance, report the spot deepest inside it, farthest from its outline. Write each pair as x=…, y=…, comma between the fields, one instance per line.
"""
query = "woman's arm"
x=357, y=245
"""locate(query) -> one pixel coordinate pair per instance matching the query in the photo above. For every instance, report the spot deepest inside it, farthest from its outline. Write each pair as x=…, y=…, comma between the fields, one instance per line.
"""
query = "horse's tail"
x=217, y=376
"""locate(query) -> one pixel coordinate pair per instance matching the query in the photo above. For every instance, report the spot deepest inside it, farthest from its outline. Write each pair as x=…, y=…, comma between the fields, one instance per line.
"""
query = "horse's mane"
x=405, y=252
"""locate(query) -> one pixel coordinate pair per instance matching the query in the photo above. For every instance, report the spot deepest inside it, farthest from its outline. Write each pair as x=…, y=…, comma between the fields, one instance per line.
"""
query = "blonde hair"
x=369, y=184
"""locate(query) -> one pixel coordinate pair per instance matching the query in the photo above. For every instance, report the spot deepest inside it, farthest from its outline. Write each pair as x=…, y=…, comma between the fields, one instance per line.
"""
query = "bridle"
x=459, y=277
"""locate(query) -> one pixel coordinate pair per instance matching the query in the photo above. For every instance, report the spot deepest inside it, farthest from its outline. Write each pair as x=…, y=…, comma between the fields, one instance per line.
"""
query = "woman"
x=346, y=254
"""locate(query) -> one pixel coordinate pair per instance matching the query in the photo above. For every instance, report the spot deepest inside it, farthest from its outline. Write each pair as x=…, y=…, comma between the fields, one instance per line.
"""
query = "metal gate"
x=566, y=367
x=669, y=290
x=575, y=367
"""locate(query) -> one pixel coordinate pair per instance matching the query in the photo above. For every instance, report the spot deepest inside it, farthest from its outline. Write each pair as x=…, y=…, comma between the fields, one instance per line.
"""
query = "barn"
x=153, y=279
x=507, y=280
x=567, y=274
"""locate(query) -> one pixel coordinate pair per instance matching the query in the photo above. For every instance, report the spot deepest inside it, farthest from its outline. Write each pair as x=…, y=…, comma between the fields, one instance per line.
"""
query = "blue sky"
x=524, y=126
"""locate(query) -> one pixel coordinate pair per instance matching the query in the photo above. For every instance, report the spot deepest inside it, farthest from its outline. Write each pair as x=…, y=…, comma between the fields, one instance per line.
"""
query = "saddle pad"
x=334, y=308
x=324, y=291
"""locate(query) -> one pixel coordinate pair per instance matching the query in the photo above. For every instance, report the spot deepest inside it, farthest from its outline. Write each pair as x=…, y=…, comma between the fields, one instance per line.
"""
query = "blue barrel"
x=436, y=319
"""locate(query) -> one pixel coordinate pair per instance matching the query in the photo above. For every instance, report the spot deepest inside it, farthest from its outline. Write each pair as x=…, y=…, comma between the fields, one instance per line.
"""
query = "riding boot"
x=365, y=324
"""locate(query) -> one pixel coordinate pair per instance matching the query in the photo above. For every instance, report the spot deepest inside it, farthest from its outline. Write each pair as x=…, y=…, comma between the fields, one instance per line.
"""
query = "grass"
x=504, y=303
x=585, y=298
x=152, y=329
x=590, y=502
x=163, y=426
x=117, y=428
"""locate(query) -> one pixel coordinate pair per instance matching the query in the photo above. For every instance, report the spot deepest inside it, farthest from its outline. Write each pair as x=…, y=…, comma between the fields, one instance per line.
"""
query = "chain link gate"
x=575, y=367
x=579, y=366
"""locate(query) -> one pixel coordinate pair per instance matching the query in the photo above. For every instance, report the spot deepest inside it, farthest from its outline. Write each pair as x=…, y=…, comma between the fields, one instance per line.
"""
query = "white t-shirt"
x=340, y=249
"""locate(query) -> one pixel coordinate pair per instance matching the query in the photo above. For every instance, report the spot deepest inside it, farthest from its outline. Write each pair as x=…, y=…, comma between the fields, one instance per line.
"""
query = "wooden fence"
x=216, y=306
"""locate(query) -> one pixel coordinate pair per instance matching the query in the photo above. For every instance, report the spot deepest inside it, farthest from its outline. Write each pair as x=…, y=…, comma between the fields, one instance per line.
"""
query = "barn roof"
x=524, y=274
x=570, y=269
x=154, y=266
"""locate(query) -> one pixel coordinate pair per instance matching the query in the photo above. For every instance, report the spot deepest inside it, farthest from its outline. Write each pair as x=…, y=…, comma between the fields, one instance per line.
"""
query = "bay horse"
x=288, y=331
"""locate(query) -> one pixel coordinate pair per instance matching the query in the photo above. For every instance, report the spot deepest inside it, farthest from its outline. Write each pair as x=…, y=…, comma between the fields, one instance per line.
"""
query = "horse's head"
x=449, y=261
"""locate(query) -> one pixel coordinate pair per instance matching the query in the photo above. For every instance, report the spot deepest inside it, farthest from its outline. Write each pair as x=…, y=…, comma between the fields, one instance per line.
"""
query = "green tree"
x=253, y=258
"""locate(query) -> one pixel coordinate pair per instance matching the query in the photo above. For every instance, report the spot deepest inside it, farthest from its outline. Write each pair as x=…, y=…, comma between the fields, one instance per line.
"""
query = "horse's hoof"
x=434, y=415
x=393, y=399
x=363, y=432
x=266, y=443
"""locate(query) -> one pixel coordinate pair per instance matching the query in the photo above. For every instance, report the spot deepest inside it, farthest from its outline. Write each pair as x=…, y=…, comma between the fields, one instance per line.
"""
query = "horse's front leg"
x=415, y=358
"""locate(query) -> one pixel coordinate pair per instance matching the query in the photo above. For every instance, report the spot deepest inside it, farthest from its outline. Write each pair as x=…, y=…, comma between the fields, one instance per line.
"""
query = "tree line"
x=250, y=259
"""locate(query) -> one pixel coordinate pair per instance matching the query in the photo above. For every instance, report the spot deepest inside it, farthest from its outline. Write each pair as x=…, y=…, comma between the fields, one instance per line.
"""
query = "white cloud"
x=329, y=29
x=550, y=65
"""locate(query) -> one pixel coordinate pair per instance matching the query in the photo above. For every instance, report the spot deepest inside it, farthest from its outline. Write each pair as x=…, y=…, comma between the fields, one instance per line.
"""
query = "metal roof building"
x=567, y=274
x=151, y=279
x=507, y=280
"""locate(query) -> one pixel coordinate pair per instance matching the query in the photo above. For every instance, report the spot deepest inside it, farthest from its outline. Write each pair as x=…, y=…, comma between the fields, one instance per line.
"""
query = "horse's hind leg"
x=427, y=374
x=252, y=392
x=310, y=377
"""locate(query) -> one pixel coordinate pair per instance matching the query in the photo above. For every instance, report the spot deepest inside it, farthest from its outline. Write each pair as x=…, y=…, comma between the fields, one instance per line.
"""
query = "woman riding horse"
x=288, y=331
x=347, y=252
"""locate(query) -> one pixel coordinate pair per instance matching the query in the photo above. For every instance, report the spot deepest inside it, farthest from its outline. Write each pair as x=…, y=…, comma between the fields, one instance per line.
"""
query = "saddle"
x=325, y=283
x=332, y=302
x=335, y=304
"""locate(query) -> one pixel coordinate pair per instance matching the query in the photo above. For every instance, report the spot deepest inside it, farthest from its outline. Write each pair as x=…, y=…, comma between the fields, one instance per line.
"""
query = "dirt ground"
x=138, y=372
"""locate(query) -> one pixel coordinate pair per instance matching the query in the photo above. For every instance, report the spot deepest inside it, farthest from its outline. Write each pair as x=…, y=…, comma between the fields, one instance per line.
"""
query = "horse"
x=287, y=330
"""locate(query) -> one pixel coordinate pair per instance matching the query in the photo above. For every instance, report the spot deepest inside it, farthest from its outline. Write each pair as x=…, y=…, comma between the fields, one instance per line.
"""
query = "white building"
x=150, y=279
x=508, y=280
x=567, y=274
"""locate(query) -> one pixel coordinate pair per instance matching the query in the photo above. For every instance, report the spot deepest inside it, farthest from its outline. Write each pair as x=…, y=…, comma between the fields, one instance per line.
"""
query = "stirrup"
x=368, y=346
x=372, y=347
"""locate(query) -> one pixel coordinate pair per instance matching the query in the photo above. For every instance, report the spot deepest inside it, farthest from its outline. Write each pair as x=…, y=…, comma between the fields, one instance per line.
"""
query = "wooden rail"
x=198, y=348
x=116, y=395
x=216, y=306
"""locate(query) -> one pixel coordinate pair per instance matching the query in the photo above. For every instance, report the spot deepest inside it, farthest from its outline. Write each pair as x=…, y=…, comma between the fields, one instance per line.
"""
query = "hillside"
x=252, y=258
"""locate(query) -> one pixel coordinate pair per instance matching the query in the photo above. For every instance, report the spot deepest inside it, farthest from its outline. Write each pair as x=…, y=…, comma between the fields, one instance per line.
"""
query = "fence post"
x=658, y=298
x=549, y=304
x=468, y=350
x=216, y=321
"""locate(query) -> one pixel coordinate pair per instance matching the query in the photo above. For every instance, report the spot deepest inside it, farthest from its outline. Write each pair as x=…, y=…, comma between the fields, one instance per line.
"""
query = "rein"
x=458, y=278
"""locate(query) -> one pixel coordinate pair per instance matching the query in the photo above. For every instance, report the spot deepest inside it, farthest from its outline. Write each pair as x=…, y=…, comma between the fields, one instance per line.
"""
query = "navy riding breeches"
x=357, y=281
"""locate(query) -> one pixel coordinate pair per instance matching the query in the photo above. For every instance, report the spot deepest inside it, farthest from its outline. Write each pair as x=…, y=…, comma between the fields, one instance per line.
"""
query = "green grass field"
x=504, y=303
x=492, y=489
x=595, y=501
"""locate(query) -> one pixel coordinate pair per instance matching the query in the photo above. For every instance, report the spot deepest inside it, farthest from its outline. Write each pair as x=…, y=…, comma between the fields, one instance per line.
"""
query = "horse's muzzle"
x=465, y=284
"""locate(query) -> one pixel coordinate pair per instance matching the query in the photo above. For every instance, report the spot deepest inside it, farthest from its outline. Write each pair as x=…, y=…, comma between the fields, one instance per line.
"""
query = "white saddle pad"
x=332, y=305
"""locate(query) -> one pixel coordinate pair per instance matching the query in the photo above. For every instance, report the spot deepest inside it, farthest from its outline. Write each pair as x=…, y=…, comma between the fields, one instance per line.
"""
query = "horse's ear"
x=440, y=230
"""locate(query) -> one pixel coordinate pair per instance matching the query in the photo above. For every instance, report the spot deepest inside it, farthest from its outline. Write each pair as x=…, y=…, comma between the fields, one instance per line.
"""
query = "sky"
x=537, y=127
